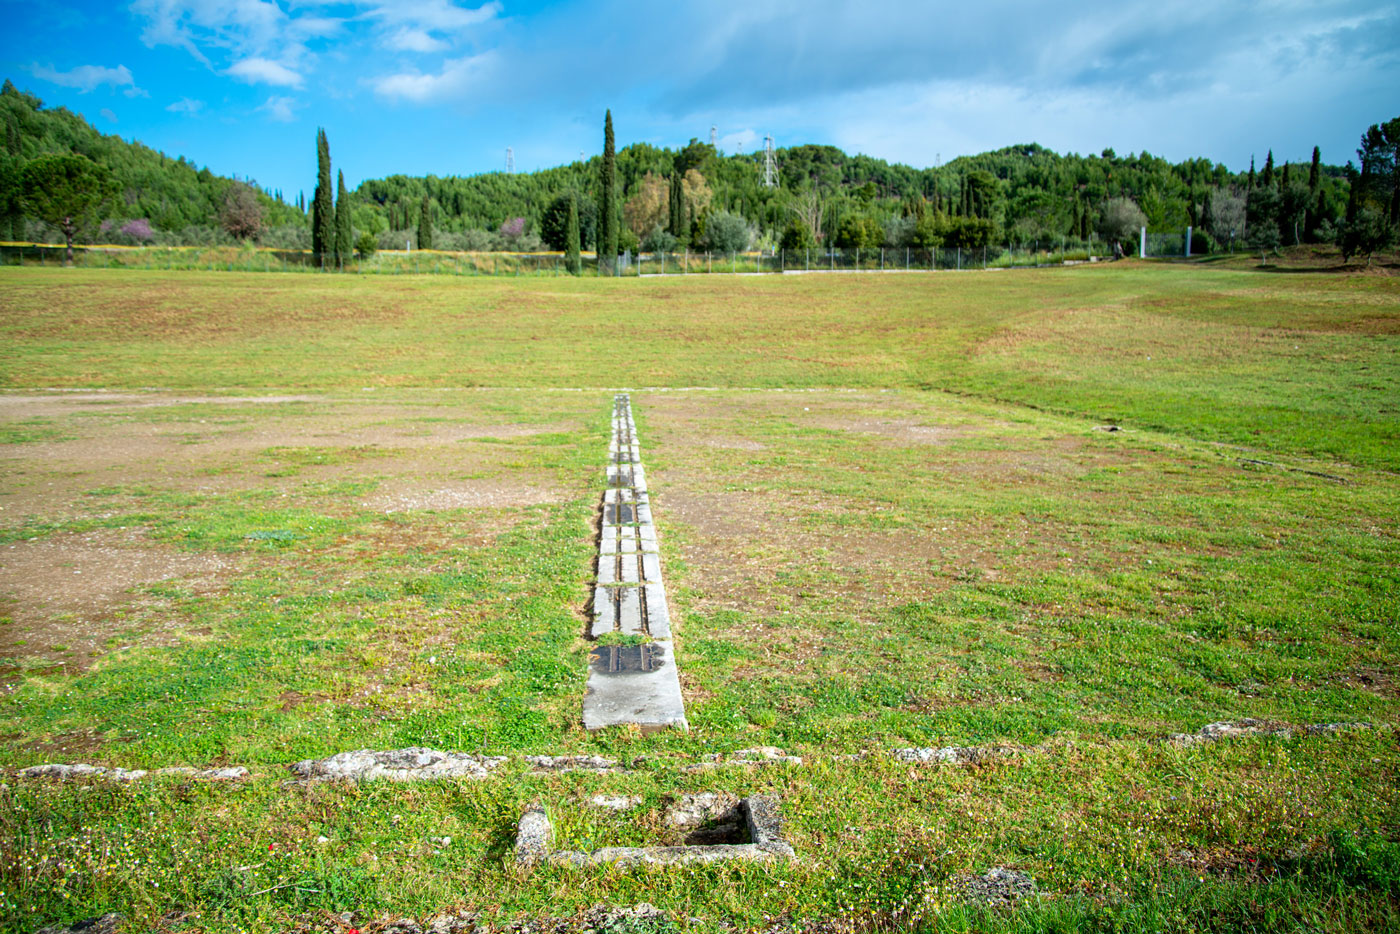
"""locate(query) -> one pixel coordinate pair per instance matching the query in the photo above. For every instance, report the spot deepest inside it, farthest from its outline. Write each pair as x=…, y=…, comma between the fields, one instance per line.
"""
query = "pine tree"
x=323, y=207
x=344, y=247
x=425, y=225
x=572, y=262
x=607, y=200
x=1251, y=174
x=1267, y=179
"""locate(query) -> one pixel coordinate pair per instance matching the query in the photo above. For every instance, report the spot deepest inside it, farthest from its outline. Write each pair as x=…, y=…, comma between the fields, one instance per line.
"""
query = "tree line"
x=642, y=197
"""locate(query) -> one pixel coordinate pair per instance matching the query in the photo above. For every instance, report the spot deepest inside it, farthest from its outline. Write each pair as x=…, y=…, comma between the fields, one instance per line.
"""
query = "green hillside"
x=673, y=199
x=178, y=198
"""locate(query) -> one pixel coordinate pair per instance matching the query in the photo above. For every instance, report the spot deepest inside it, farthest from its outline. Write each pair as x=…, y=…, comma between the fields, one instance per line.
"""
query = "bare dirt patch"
x=68, y=595
x=484, y=494
x=902, y=430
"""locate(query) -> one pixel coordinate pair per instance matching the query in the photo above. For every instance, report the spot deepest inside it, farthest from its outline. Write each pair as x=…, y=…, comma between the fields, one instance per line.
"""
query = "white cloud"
x=85, y=77
x=436, y=15
x=266, y=42
x=281, y=109
x=264, y=71
x=186, y=105
x=741, y=141
x=414, y=40
x=107, y=115
x=458, y=76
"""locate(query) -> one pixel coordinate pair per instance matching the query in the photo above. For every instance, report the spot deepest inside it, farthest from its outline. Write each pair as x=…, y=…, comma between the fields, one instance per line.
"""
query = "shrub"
x=138, y=229
x=365, y=245
x=797, y=236
x=727, y=233
x=659, y=241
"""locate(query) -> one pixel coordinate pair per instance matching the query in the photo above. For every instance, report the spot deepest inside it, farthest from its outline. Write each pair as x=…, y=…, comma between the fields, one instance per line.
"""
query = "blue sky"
x=442, y=87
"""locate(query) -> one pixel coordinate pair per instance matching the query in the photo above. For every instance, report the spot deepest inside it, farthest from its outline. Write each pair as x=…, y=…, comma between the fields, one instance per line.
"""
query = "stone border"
x=534, y=840
x=632, y=684
x=80, y=770
x=418, y=763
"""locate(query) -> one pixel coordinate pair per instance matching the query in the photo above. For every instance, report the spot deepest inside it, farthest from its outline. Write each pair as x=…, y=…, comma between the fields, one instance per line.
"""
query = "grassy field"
x=310, y=514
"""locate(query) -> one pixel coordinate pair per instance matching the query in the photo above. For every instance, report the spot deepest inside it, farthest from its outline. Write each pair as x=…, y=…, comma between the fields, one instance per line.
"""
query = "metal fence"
x=430, y=262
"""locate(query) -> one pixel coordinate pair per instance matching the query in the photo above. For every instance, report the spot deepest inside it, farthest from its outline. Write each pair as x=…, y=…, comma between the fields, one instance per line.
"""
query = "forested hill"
x=703, y=199
x=172, y=194
x=1019, y=193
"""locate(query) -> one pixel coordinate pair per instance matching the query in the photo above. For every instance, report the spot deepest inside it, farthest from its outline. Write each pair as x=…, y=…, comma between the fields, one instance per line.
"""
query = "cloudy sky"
x=437, y=86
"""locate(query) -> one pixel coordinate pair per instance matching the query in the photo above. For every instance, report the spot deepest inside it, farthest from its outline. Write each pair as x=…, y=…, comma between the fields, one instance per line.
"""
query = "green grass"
x=936, y=546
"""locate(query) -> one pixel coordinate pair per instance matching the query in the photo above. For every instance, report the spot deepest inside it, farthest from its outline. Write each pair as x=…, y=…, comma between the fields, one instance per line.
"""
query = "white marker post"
x=1187, y=254
x=1142, y=243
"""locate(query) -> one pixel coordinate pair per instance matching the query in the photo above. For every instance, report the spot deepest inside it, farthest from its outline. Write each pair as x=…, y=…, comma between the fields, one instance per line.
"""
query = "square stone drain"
x=750, y=830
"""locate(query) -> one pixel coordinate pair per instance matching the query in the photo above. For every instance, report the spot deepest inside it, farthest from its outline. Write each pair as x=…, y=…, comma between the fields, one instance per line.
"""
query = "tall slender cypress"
x=1267, y=178
x=323, y=207
x=343, y=245
x=607, y=200
x=572, y=262
x=675, y=217
x=1251, y=173
x=1313, y=216
x=425, y=225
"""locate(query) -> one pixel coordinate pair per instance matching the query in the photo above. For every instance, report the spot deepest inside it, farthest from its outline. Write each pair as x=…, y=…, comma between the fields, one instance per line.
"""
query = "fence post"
x=733, y=261
x=1187, y=254
x=685, y=263
x=960, y=257
x=882, y=259
x=1142, y=243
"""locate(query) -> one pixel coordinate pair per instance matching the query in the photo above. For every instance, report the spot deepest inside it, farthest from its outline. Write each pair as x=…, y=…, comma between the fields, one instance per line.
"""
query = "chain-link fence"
x=431, y=262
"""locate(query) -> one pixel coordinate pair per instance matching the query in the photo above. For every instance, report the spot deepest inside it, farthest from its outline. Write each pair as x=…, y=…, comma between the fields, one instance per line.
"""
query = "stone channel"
x=632, y=676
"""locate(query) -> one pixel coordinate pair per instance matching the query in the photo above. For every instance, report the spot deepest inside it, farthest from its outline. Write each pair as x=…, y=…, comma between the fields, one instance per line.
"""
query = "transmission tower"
x=770, y=165
x=714, y=134
x=510, y=161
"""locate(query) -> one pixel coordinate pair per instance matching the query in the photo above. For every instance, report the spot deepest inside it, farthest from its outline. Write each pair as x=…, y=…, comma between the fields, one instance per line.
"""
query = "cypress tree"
x=1267, y=179
x=607, y=200
x=344, y=248
x=1251, y=173
x=572, y=262
x=676, y=215
x=425, y=226
x=323, y=207
x=1313, y=216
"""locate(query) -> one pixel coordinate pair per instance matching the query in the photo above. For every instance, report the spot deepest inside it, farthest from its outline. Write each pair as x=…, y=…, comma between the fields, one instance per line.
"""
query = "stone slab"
x=629, y=611
x=607, y=569
x=658, y=614
x=629, y=569
x=649, y=696
x=604, y=611
x=651, y=567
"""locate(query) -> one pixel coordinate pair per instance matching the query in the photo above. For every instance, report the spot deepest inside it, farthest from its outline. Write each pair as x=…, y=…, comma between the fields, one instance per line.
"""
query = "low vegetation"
x=896, y=517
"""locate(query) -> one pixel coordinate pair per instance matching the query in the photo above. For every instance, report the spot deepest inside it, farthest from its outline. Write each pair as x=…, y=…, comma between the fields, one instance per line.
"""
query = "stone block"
x=604, y=611
x=629, y=611
x=658, y=614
